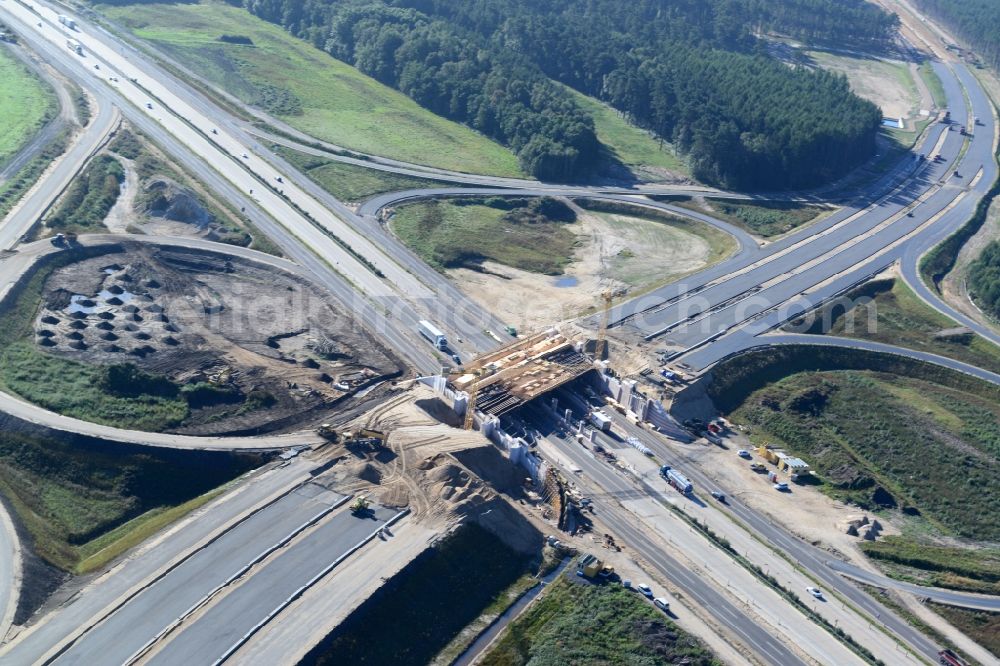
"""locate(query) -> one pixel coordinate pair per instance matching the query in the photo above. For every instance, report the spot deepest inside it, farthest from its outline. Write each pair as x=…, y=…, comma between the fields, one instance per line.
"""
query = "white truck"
x=74, y=46
x=601, y=421
x=433, y=333
x=68, y=22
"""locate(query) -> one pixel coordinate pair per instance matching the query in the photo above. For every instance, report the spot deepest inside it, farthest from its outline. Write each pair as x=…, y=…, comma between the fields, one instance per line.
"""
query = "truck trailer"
x=68, y=22
x=433, y=333
x=678, y=481
x=601, y=421
x=74, y=46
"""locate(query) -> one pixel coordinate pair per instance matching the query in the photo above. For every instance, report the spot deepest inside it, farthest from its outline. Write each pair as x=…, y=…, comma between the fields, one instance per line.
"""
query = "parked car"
x=627, y=584
x=645, y=590
x=743, y=453
x=662, y=603
x=781, y=486
x=815, y=591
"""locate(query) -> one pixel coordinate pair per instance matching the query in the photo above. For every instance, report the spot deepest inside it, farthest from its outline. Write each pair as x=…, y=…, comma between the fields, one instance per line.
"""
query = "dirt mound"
x=165, y=198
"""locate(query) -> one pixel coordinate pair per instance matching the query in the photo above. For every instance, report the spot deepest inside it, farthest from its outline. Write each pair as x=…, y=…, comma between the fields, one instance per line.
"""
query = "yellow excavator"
x=365, y=437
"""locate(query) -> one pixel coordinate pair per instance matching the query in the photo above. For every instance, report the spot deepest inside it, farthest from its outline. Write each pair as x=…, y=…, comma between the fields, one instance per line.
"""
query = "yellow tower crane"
x=602, y=332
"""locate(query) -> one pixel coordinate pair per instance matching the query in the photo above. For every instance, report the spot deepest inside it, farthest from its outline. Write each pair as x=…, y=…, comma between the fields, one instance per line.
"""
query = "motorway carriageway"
x=805, y=555
x=145, y=617
x=189, y=122
x=654, y=313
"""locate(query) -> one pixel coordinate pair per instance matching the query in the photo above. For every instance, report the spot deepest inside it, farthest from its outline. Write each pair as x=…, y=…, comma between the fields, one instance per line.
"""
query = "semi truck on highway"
x=68, y=22
x=433, y=333
x=74, y=46
x=676, y=479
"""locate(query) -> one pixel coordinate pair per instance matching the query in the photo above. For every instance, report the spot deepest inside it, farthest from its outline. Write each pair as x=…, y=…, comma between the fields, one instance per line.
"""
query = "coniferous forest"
x=691, y=71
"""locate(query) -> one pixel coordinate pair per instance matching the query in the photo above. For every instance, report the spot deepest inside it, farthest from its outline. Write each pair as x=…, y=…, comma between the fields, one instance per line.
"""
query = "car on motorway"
x=719, y=496
x=743, y=453
x=781, y=487
x=644, y=590
x=815, y=591
x=456, y=358
x=245, y=156
x=149, y=105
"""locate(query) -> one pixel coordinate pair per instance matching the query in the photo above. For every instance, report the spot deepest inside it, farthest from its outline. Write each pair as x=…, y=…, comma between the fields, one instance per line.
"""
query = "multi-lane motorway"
x=721, y=311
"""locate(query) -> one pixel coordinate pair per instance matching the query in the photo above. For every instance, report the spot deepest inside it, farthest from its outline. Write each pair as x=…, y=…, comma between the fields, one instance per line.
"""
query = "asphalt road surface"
x=223, y=627
x=155, y=609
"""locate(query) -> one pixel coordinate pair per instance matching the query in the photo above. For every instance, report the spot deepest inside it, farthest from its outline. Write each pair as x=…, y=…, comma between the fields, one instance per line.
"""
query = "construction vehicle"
x=366, y=437
x=588, y=566
x=327, y=432
x=360, y=505
x=433, y=333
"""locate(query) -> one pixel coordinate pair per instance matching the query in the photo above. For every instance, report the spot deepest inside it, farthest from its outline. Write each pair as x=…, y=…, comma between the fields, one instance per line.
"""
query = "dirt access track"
x=274, y=351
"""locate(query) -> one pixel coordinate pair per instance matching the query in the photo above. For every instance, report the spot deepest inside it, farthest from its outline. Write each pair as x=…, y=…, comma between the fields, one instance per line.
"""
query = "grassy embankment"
x=26, y=104
x=765, y=219
x=933, y=83
x=981, y=626
x=632, y=146
x=896, y=315
x=349, y=182
x=427, y=604
x=84, y=503
x=88, y=199
x=309, y=89
x=579, y=623
x=885, y=433
x=529, y=234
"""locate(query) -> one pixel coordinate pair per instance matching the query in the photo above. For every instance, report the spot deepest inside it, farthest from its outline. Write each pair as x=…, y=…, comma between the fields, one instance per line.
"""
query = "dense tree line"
x=984, y=279
x=688, y=70
x=856, y=22
x=974, y=21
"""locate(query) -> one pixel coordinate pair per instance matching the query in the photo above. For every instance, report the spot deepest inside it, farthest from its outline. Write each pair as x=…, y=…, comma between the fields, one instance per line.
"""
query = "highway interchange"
x=724, y=310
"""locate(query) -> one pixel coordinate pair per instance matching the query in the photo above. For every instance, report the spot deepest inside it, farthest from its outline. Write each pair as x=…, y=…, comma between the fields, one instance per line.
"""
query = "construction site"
x=274, y=350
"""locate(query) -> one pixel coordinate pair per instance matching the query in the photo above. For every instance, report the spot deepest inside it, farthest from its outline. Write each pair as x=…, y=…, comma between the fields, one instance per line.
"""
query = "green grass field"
x=897, y=316
x=25, y=105
x=877, y=439
x=454, y=233
x=578, y=623
x=85, y=503
x=631, y=145
x=309, y=89
x=348, y=182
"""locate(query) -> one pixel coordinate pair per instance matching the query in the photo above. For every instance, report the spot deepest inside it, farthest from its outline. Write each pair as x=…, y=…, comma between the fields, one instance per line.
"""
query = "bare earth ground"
x=878, y=81
x=615, y=251
x=199, y=317
x=804, y=511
